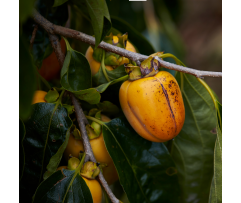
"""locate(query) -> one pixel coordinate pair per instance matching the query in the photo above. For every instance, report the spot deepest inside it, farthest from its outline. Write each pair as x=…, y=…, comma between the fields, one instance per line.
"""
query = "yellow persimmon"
x=153, y=106
x=95, y=189
x=39, y=96
x=100, y=152
x=95, y=65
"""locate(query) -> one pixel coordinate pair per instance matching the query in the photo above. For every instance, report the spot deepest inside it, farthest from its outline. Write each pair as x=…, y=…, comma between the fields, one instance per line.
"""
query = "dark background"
x=191, y=30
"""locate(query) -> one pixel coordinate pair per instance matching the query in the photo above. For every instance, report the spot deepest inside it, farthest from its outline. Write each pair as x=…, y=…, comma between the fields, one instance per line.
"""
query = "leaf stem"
x=44, y=81
x=96, y=120
x=123, y=78
x=102, y=65
x=60, y=97
x=178, y=62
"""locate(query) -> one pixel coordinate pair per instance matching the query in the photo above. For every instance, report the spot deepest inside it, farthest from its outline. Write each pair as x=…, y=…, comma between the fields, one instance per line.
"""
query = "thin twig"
x=57, y=48
x=69, y=33
x=33, y=36
x=82, y=121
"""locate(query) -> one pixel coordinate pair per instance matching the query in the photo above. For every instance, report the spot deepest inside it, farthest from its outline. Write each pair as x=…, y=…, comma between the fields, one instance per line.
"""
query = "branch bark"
x=33, y=36
x=69, y=33
x=82, y=121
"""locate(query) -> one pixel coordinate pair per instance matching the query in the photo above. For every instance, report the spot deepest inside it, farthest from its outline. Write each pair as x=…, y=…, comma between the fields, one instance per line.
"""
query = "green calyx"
x=148, y=67
x=52, y=95
x=112, y=59
x=75, y=132
x=134, y=72
x=70, y=108
x=94, y=129
x=73, y=163
x=90, y=170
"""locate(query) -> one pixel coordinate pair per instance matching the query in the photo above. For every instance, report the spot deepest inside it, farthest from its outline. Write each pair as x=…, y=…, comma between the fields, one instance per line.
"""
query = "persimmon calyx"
x=94, y=130
x=52, y=95
x=73, y=163
x=90, y=170
x=112, y=59
x=148, y=67
x=75, y=132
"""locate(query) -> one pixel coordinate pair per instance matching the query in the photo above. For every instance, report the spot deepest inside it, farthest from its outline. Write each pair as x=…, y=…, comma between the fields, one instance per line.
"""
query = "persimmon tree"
x=74, y=132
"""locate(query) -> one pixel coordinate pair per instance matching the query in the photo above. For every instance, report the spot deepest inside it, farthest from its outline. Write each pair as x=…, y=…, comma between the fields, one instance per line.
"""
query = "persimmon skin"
x=153, y=106
x=39, y=96
x=99, y=150
x=95, y=189
x=51, y=68
x=95, y=65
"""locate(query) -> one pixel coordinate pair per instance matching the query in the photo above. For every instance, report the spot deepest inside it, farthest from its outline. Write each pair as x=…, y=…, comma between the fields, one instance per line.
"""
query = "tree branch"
x=69, y=33
x=82, y=121
x=57, y=48
x=33, y=36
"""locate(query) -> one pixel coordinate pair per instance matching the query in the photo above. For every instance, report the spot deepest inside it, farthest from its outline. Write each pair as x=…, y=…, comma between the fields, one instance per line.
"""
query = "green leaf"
x=63, y=188
x=92, y=95
x=59, y=2
x=192, y=149
x=108, y=108
x=42, y=47
x=45, y=133
x=99, y=15
x=146, y=170
x=137, y=39
x=25, y=9
x=27, y=80
x=21, y=149
x=76, y=73
x=216, y=187
x=99, y=78
x=55, y=159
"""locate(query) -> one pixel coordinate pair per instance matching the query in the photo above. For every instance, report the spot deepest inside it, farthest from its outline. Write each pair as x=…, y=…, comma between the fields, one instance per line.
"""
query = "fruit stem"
x=102, y=65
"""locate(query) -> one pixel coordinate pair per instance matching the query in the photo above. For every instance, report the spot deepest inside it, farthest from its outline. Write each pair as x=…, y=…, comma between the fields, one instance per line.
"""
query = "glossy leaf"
x=27, y=80
x=99, y=16
x=42, y=47
x=137, y=39
x=45, y=133
x=21, y=149
x=55, y=159
x=76, y=73
x=192, y=149
x=59, y=2
x=92, y=95
x=146, y=170
x=25, y=9
x=63, y=188
x=108, y=108
x=216, y=188
x=99, y=77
